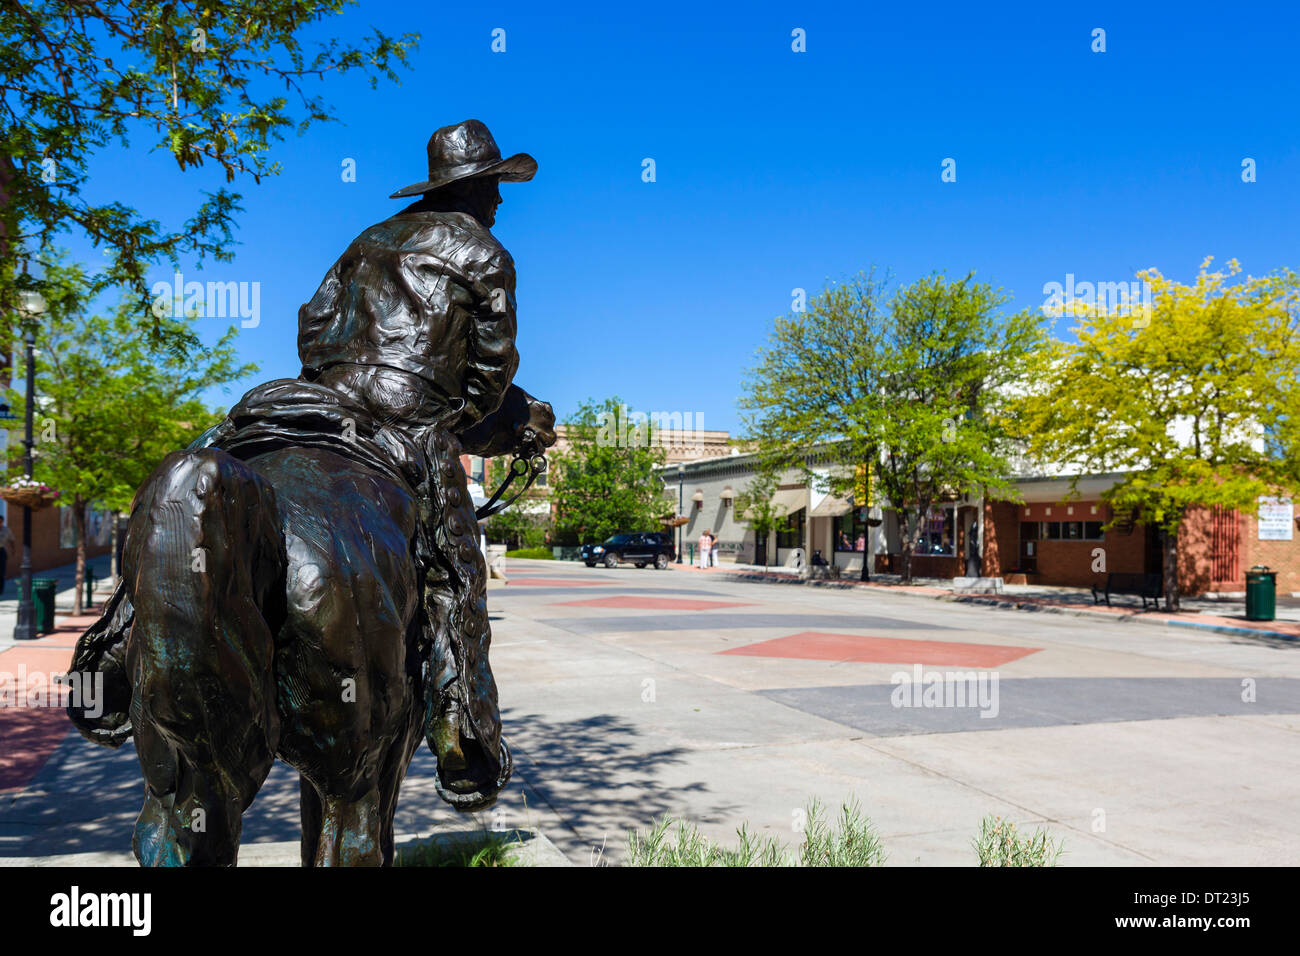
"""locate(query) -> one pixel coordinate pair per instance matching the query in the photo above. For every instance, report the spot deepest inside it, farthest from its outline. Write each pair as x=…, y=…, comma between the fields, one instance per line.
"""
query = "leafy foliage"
x=518, y=529
x=757, y=508
x=210, y=83
x=602, y=484
x=911, y=384
x=488, y=849
x=851, y=841
x=1196, y=400
x=111, y=405
x=999, y=844
x=537, y=554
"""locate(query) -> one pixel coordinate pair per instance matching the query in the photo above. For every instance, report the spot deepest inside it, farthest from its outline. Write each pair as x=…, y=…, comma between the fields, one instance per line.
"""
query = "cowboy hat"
x=466, y=150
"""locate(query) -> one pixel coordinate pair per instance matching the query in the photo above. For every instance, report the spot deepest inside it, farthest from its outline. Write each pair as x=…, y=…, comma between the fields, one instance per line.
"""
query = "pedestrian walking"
x=706, y=548
x=7, y=547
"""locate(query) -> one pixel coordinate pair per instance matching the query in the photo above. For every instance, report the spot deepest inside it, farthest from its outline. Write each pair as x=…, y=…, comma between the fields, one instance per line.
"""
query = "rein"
x=528, y=460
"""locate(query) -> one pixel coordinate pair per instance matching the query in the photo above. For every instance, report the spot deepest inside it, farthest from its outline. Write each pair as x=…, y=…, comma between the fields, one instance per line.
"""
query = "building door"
x=973, y=548
x=1030, y=532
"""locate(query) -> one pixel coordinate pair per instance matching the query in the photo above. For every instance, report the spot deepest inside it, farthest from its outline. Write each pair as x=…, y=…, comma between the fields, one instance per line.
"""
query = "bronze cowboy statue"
x=305, y=581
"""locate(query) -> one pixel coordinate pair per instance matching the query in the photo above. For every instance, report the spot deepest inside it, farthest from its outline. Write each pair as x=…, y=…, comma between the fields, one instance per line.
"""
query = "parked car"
x=639, y=548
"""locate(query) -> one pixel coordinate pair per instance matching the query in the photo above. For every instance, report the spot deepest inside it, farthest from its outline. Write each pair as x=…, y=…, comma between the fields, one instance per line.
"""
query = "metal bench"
x=1149, y=587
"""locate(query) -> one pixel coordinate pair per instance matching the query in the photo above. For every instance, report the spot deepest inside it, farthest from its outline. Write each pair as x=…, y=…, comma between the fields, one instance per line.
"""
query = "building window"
x=938, y=534
x=1072, y=531
x=851, y=532
x=789, y=534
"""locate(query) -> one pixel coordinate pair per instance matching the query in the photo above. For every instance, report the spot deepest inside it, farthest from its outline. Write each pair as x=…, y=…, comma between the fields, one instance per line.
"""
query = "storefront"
x=1043, y=539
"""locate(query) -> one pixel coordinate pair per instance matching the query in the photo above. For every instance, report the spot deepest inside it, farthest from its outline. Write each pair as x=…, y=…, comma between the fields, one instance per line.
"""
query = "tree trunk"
x=79, y=527
x=905, y=547
x=910, y=534
x=1171, y=570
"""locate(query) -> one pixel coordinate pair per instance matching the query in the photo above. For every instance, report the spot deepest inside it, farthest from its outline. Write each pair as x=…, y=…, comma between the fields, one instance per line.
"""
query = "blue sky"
x=777, y=169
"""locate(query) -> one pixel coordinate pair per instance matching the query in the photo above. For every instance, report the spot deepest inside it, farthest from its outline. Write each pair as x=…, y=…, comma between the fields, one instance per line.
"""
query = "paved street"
x=632, y=693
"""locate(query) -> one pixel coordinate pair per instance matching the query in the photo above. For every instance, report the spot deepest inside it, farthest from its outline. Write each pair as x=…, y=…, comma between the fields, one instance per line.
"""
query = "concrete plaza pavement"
x=627, y=694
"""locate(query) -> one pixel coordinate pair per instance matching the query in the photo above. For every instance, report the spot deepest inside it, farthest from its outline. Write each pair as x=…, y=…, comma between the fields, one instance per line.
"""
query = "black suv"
x=641, y=548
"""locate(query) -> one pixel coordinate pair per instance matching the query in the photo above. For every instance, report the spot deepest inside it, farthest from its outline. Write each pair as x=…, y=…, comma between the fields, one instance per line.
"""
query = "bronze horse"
x=305, y=581
x=303, y=563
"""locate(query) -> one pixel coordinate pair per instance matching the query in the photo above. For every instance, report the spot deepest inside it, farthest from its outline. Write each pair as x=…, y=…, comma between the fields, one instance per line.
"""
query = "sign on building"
x=1276, y=519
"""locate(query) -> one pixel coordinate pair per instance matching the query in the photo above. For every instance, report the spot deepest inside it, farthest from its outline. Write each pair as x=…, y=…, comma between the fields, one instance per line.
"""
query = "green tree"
x=909, y=384
x=605, y=481
x=1195, y=399
x=758, y=510
x=518, y=529
x=110, y=402
x=218, y=82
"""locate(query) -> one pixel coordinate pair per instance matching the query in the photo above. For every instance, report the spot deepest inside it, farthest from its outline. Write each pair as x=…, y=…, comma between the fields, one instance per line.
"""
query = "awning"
x=476, y=494
x=832, y=507
x=790, y=500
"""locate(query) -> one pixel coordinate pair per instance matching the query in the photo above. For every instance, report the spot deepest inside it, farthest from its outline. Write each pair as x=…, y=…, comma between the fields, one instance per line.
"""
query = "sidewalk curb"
x=535, y=850
x=1011, y=603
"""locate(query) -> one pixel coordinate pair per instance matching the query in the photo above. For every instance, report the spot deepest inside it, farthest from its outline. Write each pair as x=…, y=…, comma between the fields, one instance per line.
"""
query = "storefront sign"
x=1276, y=519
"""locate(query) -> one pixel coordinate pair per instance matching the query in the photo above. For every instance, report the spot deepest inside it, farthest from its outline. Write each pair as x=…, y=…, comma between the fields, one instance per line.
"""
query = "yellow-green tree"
x=1194, y=397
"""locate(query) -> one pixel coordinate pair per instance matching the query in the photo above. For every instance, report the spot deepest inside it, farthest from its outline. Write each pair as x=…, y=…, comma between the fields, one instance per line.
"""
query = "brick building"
x=1046, y=539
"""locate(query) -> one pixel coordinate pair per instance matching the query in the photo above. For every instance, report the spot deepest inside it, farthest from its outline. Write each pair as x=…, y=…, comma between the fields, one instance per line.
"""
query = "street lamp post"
x=25, y=630
x=681, y=477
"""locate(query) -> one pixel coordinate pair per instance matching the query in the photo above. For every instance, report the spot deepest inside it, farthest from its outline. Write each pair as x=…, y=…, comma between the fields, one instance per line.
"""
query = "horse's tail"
x=104, y=717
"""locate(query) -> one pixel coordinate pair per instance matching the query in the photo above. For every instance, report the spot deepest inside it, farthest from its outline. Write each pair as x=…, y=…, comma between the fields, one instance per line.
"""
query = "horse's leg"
x=346, y=662
x=392, y=774
x=312, y=813
x=203, y=558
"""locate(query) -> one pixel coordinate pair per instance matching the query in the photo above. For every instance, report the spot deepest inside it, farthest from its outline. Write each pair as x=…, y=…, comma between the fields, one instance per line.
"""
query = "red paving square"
x=860, y=649
x=553, y=583
x=652, y=603
x=30, y=733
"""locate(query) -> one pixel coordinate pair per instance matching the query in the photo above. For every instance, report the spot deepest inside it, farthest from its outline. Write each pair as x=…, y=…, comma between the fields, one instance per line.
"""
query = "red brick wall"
x=1281, y=556
x=46, y=552
x=1067, y=563
x=1001, y=539
x=1206, y=558
x=1209, y=552
x=936, y=566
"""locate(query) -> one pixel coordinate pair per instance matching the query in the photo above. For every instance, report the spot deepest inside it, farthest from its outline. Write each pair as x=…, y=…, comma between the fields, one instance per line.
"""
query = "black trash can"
x=1261, y=594
x=43, y=590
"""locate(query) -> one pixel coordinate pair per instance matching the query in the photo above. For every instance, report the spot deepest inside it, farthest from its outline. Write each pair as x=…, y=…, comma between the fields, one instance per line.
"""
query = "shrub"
x=542, y=554
x=852, y=841
x=998, y=844
x=487, y=849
